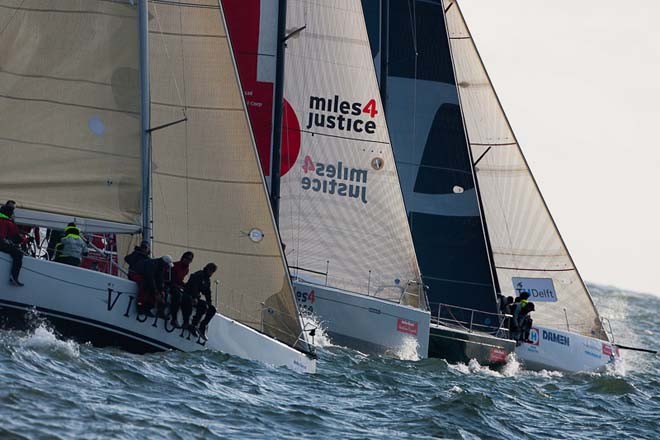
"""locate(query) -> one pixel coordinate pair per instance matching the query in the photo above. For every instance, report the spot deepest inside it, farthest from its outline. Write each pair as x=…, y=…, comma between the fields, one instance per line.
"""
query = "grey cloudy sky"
x=580, y=82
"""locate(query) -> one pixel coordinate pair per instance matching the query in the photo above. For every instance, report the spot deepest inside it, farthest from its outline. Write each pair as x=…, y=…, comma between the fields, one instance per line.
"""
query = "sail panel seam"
x=535, y=270
x=218, y=251
x=64, y=147
x=54, y=102
x=204, y=179
x=313, y=133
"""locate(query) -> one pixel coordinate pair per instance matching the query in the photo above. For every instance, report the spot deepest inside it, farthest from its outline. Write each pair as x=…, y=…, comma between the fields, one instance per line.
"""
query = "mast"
x=277, y=115
x=384, y=49
x=145, y=120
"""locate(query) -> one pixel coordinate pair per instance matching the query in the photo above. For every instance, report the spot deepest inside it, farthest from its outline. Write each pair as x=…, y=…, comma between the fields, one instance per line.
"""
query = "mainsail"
x=409, y=39
x=342, y=211
x=69, y=100
x=208, y=191
x=526, y=243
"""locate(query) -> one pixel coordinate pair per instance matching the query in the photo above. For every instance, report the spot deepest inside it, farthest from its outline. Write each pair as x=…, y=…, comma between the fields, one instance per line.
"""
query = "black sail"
x=431, y=151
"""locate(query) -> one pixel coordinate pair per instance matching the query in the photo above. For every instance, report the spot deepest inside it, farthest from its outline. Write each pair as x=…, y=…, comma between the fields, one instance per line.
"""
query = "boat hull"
x=365, y=323
x=95, y=307
x=552, y=349
x=457, y=345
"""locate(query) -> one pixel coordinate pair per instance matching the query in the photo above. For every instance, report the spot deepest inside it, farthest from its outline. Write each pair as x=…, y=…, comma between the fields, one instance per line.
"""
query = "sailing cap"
x=168, y=260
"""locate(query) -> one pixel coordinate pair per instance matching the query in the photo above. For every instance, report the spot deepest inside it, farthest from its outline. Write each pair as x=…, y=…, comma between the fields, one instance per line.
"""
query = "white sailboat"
x=342, y=215
x=528, y=251
x=74, y=137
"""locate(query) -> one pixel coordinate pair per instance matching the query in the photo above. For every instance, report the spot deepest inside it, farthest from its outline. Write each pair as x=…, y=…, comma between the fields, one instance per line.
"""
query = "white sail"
x=342, y=211
x=69, y=108
x=528, y=250
x=208, y=192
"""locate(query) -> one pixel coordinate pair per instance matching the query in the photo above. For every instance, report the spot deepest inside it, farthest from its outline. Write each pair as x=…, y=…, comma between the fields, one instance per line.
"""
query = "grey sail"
x=528, y=250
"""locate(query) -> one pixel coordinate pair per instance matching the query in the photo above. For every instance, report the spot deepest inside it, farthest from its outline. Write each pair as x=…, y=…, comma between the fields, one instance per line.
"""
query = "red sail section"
x=244, y=25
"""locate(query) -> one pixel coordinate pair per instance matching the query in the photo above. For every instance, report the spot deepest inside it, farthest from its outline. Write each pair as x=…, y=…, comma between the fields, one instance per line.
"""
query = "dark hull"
x=455, y=345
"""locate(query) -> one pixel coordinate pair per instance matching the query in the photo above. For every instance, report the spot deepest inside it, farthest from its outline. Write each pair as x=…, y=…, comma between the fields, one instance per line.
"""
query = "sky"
x=580, y=83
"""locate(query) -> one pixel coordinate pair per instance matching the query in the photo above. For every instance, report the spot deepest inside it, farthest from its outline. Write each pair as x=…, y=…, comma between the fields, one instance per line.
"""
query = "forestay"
x=342, y=210
x=208, y=191
x=525, y=241
x=69, y=100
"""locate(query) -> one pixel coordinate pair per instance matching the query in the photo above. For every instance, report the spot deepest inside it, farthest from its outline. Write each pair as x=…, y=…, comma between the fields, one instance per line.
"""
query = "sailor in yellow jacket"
x=71, y=248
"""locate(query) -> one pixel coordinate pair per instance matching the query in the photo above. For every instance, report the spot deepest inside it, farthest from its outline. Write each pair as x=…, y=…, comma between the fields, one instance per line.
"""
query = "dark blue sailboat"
x=412, y=54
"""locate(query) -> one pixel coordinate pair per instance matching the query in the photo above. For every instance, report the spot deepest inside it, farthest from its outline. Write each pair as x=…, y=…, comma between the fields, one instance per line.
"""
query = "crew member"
x=135, y=260
x=199, y=284
x=71, y=248
x=179, y=272
x=10, y=239
x=154, y=271
x=521, y=323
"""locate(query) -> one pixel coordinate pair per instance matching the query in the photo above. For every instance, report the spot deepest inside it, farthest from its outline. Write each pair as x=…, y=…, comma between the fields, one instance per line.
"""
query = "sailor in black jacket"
x=198, y=284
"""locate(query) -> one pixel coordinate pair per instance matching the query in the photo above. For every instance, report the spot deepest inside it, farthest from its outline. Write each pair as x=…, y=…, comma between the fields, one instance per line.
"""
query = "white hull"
x=365, y=323
x=102, y=307
x=566, y=351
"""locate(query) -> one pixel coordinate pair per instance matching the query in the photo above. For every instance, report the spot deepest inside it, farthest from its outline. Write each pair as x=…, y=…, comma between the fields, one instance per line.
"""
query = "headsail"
x=208, y=191
x=528, y=250
x=342, y=210
x=432, y=155
x=69, y=100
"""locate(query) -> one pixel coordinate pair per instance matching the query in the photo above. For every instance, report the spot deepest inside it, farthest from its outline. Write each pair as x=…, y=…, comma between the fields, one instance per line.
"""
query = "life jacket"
x=8, y=229
x=71, y=245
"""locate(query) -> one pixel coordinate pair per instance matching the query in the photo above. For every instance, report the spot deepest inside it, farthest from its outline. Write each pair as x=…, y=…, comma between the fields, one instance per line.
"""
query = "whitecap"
x=43, y=339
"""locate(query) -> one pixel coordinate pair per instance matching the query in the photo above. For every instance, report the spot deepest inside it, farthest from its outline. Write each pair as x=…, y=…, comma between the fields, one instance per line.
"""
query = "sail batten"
x=527, y=246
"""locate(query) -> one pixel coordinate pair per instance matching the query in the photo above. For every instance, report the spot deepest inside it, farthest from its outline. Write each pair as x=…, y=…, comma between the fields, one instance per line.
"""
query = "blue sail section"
x=432, y=156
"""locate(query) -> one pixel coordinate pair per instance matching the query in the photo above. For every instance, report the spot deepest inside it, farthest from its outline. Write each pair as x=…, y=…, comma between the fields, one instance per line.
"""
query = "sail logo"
x=539, y=289
x=557, y=338
x=534, y=336
x=338, y=114
x=335, y=179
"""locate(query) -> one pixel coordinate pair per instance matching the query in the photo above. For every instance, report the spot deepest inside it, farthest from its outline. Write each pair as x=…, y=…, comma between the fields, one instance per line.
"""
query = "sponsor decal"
x=609, y=350
x=405, y=326
x=306, y=300
x=335, y=179
x=592, y=354
x=534, y=336
x=557, y=338
x=497, y=355
x=539, y=289
x=341, y=115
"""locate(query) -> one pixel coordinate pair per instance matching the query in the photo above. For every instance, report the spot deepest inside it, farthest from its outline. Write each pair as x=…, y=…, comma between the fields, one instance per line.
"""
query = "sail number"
x=305, y=300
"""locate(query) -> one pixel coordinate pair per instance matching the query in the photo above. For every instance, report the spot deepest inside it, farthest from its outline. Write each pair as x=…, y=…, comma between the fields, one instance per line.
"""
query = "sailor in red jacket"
x=179, y=272
x=10, y=239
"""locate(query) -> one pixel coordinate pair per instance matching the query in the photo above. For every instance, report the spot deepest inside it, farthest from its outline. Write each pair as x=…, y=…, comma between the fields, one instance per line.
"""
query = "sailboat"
x=100, y=130
x=341, y=212
x=528, y=251
x=412, y=56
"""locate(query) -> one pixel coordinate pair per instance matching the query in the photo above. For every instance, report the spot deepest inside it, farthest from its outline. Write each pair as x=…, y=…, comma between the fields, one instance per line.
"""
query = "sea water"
x=50, y=388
